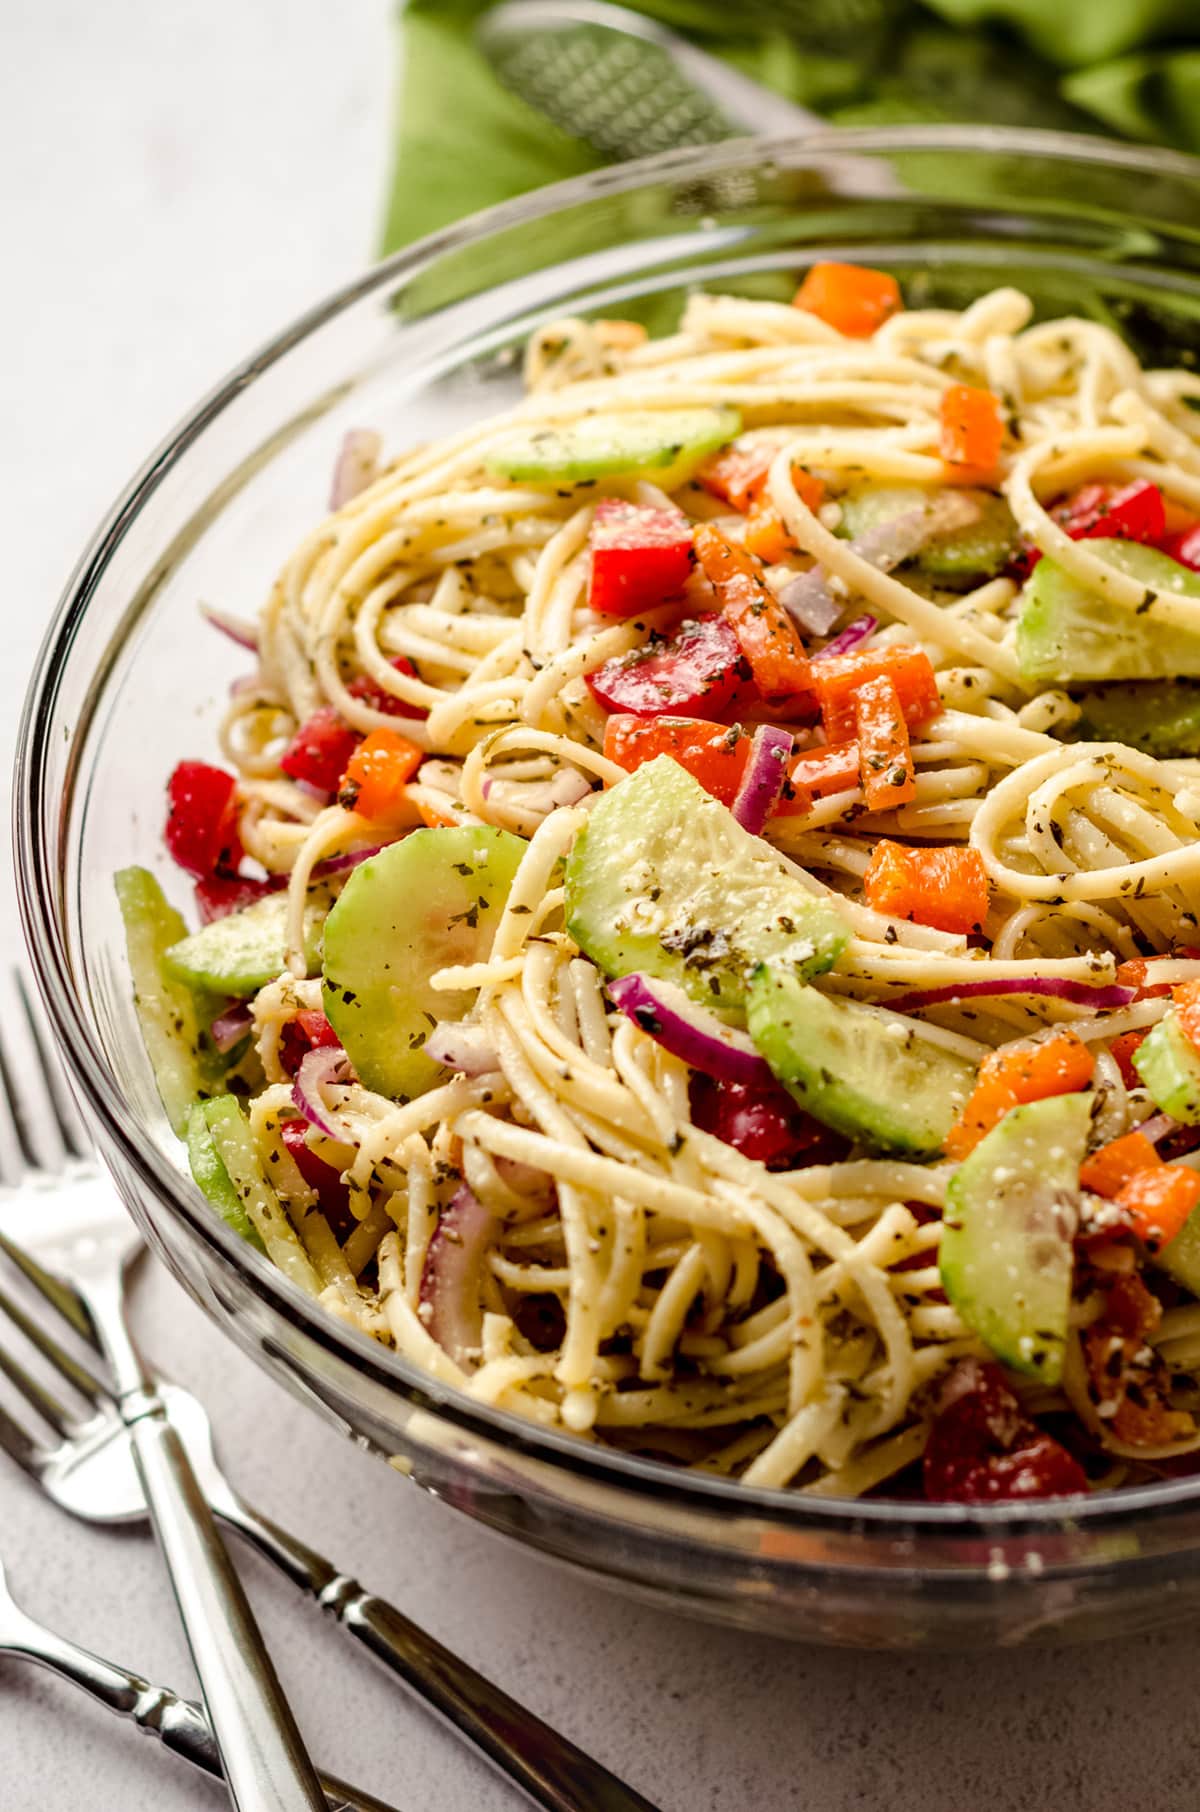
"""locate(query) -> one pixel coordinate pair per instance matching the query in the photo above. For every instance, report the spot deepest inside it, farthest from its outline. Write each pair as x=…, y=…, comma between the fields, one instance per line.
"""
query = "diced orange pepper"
x=766, y=634
x=1031, y=1071
x=836, y=680
x=946, y=887
x=816, y=774
x=1132, y=974
x=713, y=754
x=851, y=297
x=1186, y=998
x=1108, y=1170
x=436, y=817
x=885, y=761
x=972, y=431
x=377, y=773
x=1122, y=1048
x=766, y=536
x=1158, y=1200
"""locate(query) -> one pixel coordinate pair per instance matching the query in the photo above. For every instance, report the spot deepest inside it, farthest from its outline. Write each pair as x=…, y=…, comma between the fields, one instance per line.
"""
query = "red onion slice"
x=809, y=599
x=244, y=634
x=851, y=636
x=688, y=1031
x=1078, y=993
x=356, y=466
x=762, y=783
x=461, y=1047
x=1157, y=1127
x=320, y=1066
x=337, y=865
x=451, y=1300
x=229, y=1028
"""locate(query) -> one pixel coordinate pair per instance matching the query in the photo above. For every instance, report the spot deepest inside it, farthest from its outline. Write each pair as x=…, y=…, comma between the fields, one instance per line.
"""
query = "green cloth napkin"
x=1130, y=67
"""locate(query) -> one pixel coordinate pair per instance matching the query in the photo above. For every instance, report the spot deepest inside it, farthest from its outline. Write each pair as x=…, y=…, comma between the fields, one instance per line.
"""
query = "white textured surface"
x=176, y=179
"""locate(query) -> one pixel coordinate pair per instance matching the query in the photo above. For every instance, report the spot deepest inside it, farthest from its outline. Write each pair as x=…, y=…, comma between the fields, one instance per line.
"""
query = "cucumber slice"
x=212, y=1177
x=955, y=560
x=1180, y=1257
x=862, y=1070
x=1169, y=1064
x=242, y=952
x=1012, y=1208
x=1160, y=717
x=234, y=1146
x=664, y=879
x=432, y=900
x=174, y=1018
x=1066, y=634
x=666, y=445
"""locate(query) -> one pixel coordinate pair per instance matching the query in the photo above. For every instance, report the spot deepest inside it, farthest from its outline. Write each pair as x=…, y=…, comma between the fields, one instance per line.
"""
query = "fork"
x=180, y=1725
x=88, y=1242
x=90, y=1472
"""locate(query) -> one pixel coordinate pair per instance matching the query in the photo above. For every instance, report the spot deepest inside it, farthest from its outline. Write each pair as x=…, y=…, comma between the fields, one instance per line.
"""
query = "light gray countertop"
x=176, y=180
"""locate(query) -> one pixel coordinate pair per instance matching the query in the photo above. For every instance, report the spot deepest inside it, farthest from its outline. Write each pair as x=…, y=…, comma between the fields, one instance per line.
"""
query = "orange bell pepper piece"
x=851, y=297
x=1158, y=1201
x=816, y=774
x=713, y=754
x=885, y=762
x=972, y=432
x=945, y=887
x=836, y=680
x=766, y=634
x=1059, y=1065
x=1107, y=1171
x=377, y=773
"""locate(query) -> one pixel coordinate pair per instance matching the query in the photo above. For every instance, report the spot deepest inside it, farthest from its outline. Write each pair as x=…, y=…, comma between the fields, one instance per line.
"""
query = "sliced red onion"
x=809, y=599
x=451, y=1297
x=688, y=1031
x=356, y=466
x=324, y=1064
x=337, y=865
x=1079, y=993
x=762, y=783
x=851, y=636
x=244, y=634
x=1157, y=1127
x=229, y=1028
x=884, y=545
x=462, y=1047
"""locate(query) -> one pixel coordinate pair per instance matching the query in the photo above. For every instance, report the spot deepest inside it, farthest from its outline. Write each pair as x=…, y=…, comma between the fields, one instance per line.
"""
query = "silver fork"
x=85, y=1245
x=89, y=1470
x=179, y=1725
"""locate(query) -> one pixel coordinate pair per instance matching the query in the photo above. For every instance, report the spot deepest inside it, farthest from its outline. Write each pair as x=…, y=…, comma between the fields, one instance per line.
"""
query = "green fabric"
x=1130, y=67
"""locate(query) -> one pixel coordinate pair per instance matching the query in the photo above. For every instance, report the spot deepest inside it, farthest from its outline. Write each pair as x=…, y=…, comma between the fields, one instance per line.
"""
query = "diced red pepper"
x=308, y=1031
x=766, y=633
x=320, y=749
x=364, y=687
x=1184, y=546
x=946, y=887
x=1132, y=512
x=713, y=754
x=1122, y=1048
x=1128, y=1381
x=983, y=1449
x=763, y=1123
x=854, y=298
x=202, y=819
x=885, y=762
x=332, y=1193
x=639, y=557
x=219, y=895
x=695, y=674
x=836, y=680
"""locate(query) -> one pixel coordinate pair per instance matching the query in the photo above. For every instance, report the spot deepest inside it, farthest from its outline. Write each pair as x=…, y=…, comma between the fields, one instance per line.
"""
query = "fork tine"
x=66, y=1114
x=21, y=1446
x=36, y=1395
x=25, y=1087
x=62, y=1297
x=76, y=1374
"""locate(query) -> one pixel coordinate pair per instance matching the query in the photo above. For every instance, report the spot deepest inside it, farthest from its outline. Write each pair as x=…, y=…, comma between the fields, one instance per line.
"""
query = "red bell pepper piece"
x=763, y=1123
x=639, y=557
x=364, y=687
x=695, y=674
x=1132, y=512
x=202, y=819
x=713, y=754
x=983, y=1449
x=219, y=895
x=320, y=749
x=1185, y=546
x=308, y=1031
x=332, y=1193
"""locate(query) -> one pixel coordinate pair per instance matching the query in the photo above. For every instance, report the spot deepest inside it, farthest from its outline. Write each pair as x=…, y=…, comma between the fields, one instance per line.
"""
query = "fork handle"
x=265, y=1763
x=179, y=1725
x=547, y=1767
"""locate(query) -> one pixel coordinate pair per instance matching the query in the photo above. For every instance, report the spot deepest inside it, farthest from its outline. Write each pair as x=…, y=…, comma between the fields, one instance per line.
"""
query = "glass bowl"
x=129, y=681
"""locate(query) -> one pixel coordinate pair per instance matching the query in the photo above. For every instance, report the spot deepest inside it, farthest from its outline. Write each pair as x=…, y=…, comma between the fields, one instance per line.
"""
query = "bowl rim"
x=82, y=1050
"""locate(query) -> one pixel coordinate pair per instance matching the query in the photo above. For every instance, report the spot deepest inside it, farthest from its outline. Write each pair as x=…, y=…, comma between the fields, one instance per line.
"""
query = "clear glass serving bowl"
x=129, y=681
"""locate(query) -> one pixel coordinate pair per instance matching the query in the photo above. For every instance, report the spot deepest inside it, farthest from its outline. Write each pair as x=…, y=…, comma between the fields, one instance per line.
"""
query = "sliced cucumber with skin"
x=235, y=1148
x=174, y=1017
x=664, y=879
x=864, y=1071
x=245, y=950
x=426, y=903
x=1012, y=1208
x=1067, y=634
x=1180, y=1257
x=1160, y=717
x=212, y=1178
x=956, y=559
x=665, y=445
x=1169, y=1064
